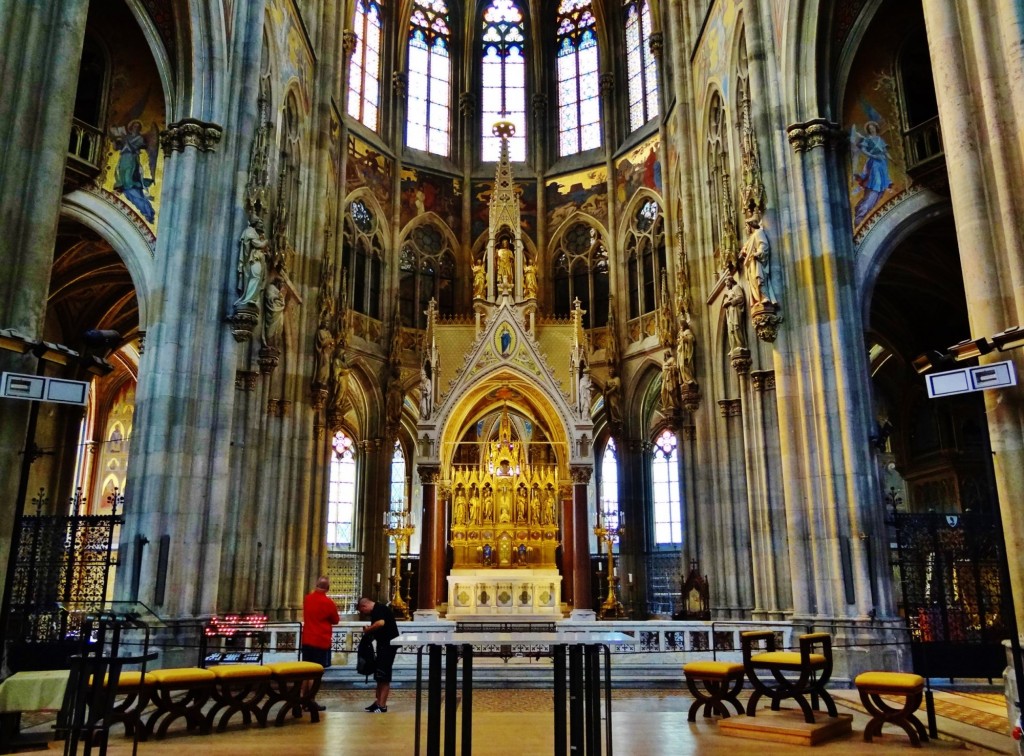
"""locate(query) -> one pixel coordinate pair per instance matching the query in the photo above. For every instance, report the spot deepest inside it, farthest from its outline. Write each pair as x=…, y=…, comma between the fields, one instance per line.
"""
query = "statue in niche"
x=669, y=385
x=757, y=263
x=394, y=400
x=613, y=399
x=521, y=505
x=324, y=343
x=340, y=370
x=488, y=507
x=583, y=392
x=550, y=518
x=474, y=506
x=426, y=390
x=530, y=281
x=504, y=505
x=684, y=352
x=459, y=515
x=479, y=280
x=273, y=314
x=504, y=255
x=252, y=265
x=734, y=305
x=535, y=508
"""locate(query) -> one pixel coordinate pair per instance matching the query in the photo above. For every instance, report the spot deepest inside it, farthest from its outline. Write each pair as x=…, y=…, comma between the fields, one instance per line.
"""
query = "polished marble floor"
x=514, y=721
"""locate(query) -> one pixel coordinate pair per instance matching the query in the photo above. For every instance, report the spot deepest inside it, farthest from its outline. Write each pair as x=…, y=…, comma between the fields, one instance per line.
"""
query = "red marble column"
x=581, y=537
x=432, y=542
x=568, y=546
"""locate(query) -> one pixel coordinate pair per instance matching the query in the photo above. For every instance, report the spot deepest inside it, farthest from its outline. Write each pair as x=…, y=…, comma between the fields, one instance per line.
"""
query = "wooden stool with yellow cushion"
x=163, y=684
x=722, y=682
x=238, y=688
x=873, y=685
x=812, y=671
x=287, y=681
x=132, y=699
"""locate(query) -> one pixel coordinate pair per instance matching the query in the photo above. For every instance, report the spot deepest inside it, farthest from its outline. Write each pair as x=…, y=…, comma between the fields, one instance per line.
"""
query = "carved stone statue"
x=324, y=343
x=734, y=305
x=757, y=264
x=479, y=280
x=583, y=393
x=550, y=517
x=273, y=314
x=613, y=399
x=394, y=400
x=669, y=385
x=252, y=265
x=505, y=272
x=488, y=505
x=426, y=391
x=474, y=507
x=535, y=508
x=340, y=370
x=521, y=505
x=529, y=281
x=684, y=353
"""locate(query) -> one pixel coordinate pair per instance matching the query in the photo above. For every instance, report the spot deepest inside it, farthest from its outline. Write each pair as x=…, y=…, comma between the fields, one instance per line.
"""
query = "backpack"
x=366, y=659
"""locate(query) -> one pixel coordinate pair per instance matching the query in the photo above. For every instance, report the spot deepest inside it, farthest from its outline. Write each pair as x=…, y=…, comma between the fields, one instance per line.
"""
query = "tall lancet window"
x=579, y=110
x=641, y=67
x=610, y=478
x=429, y=112
x=504, y=78
x=668, y=528
x=341, y=493
x=364, y=71
x=398, y=496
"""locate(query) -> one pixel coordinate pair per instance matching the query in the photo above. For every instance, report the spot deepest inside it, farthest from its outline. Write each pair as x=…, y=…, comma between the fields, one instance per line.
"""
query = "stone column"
x=40, y=47
x=582, y=595
x=569, y=548
x=976, y=65
x=373, y=500
x=432, y=546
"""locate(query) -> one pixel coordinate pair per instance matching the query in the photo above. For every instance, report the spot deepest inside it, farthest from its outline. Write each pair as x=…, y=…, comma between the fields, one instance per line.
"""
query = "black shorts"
x=321, y=656
x=385, y=660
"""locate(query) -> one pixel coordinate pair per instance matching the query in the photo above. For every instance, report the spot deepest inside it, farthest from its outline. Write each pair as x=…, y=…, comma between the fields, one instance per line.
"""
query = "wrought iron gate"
x=950, y=570
x=61, y=560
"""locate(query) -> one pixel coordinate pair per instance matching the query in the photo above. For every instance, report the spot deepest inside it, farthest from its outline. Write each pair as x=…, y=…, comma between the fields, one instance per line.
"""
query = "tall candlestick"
x=378, y=577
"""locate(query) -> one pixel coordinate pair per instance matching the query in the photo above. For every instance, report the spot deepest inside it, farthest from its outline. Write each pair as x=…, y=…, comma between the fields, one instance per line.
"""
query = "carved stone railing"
x=85, y=152
x=923, y=144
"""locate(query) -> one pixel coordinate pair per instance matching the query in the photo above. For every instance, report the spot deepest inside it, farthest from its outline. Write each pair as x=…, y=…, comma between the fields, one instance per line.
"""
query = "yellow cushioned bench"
x=294, y=686
x=813, y=671
x=238, y=688
x=197, y=685
x=873, y=685
x=128, y=709
x=722, y=682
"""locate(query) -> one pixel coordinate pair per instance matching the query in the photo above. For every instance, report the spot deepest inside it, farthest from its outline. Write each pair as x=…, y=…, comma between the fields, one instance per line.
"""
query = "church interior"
x=619, y=310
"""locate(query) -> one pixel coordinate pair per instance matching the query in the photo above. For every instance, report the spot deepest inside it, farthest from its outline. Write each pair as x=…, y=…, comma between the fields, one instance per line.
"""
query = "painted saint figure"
x=874, y=175
x=128, y=177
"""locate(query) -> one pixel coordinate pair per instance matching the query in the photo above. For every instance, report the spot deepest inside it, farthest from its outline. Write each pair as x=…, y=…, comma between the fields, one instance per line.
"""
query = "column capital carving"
x=348, y=42
x=730, y=407
x=818, y=132
x=607, y=83
x=581, y=474
x=245, y=380
x=399, y=82
x=429, y=474
x=762, y=380
x=190, y=132
x=657, y=43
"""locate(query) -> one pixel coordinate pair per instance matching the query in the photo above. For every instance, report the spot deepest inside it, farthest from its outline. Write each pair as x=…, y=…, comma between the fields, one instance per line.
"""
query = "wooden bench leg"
x=287, y=691
x=716, y=691
x=237, y=696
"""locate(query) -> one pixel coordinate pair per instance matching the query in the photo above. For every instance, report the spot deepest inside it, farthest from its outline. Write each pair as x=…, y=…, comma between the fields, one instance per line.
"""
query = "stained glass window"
x=503, y=73
x=361, y=259
x=645, y=257
x=668, y=528
x=341, y=493
x=398, y=479
x=364, y=70
x=580, y=271
x=579, y=110
x=610, y=478
x=428, y=125
x=641, y=67
x=426, y=270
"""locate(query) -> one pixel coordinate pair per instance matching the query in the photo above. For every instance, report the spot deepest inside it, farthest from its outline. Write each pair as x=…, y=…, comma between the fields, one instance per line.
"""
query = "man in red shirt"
x=319, y=615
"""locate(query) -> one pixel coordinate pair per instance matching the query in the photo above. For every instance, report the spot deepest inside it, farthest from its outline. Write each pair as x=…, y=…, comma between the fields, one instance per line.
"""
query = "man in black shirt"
x=384, y=629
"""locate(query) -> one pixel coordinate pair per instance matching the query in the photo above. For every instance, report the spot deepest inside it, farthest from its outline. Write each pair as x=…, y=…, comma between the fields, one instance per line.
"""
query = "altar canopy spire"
x=505, y=252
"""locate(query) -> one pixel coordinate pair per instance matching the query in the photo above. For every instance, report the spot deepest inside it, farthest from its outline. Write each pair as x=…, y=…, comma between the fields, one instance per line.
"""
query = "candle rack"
x=398, y=528
x=609, y=530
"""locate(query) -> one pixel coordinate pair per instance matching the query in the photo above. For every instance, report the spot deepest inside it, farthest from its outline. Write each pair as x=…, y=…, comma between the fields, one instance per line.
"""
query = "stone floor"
x=518, y=721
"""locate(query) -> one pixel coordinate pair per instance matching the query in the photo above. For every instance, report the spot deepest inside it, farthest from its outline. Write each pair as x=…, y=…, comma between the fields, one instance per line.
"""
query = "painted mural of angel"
x=874, y=173
x=130, y=180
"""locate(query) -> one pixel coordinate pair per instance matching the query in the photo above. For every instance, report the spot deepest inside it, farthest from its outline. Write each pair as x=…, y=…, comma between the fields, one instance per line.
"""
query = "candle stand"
x=398, y=528
x=609, y=530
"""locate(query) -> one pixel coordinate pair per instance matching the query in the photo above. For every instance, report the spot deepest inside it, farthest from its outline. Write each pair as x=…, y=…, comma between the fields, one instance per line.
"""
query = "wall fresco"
x=526, y=189
x=424, y=192
x=132, y=164
x=639, y=167
x=367, y=167
x=712, y=61
x=586, y=191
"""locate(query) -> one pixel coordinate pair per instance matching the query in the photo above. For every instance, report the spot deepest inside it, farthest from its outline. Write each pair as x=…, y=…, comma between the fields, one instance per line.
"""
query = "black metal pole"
x=28, y=456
